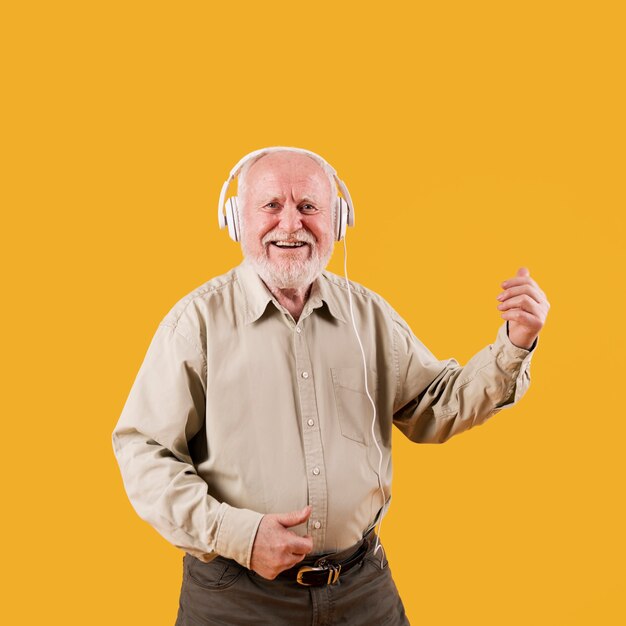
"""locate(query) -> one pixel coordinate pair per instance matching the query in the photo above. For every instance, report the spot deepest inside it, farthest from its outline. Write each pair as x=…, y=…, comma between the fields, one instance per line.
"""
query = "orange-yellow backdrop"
x=475, y=137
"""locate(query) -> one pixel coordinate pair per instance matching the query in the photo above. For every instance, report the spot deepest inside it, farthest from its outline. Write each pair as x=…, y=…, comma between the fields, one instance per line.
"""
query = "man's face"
x=286, y=219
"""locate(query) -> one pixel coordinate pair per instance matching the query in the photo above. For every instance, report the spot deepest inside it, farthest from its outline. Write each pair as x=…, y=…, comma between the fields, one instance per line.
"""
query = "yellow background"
x=475, y=137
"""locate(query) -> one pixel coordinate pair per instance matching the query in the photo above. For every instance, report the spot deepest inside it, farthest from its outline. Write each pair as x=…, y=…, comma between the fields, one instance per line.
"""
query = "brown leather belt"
x=324, y=569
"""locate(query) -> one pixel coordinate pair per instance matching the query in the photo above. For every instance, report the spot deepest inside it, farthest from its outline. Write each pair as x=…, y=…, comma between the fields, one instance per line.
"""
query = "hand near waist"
x=276, y=548
x=525, y=306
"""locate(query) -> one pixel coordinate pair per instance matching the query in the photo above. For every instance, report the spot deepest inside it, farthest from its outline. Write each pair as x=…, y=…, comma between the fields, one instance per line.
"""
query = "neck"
x=292, y=299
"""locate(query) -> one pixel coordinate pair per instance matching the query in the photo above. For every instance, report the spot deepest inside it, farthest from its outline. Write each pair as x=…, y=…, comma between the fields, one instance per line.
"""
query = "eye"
x=308, y=208
x=272, y=205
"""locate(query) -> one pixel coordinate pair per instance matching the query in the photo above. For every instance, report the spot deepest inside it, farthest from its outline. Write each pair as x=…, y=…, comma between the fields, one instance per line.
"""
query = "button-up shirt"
x=238, y=411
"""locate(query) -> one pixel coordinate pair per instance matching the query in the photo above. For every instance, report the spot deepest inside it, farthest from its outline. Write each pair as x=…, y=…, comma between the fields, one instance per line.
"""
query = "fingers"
x=524, y=317
x=293, y=518
x=536, y=294
x=525, y=306
x=520, y=280
x=276, y=548
x=523, y=292
x=523, y=283
x=530, y=321
x=525, y=310
x=524, y=302
x=300, y=545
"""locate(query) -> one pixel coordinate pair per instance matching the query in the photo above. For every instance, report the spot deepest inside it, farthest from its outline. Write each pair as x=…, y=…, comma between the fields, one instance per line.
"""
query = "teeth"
x=288, y=244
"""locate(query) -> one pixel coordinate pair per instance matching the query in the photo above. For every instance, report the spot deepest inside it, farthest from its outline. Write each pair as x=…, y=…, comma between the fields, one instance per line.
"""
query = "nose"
x=290, y=218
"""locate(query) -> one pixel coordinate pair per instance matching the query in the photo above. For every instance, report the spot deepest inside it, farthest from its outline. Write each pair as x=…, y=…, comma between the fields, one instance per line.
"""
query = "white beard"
x=291, y=274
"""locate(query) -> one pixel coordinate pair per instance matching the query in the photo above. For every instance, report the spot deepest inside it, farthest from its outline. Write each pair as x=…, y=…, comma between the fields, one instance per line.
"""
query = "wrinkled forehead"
x=285, y=172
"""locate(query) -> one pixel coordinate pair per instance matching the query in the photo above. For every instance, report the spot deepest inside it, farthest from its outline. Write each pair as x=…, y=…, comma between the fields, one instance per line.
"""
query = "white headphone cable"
x=380, y=452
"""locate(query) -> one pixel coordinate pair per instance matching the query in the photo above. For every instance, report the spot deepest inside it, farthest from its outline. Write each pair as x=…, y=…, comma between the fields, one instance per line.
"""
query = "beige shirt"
x=238, y=411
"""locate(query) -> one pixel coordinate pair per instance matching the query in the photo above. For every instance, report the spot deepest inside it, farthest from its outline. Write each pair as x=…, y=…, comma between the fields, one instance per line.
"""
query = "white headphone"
x=228, y=210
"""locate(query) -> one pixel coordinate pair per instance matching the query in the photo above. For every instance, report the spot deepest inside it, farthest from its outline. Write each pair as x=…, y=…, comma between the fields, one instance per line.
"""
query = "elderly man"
x=257, y=435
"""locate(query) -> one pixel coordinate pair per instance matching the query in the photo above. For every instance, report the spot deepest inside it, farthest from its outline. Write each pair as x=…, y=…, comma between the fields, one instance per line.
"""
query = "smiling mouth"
x=288, y=244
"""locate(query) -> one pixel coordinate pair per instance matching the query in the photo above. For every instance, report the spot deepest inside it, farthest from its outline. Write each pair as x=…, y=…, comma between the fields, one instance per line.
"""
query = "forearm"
x=460, y=398
x=168, y=493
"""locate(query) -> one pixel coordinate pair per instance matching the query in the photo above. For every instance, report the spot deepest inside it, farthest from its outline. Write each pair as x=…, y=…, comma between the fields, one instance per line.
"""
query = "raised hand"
x=525, y=306
x=276, y=548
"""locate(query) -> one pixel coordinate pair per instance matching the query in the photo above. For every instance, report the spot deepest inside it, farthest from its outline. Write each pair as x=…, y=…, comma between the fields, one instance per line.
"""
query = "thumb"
x=523, y=271
x=293, y=518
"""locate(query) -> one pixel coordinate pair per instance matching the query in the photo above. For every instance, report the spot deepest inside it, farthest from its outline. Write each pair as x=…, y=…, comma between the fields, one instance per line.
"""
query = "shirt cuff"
x=515, y=362
x=236, y=534
x=504, y=331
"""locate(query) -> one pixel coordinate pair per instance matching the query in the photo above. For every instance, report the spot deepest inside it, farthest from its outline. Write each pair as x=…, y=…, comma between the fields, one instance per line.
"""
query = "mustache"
x=279, y=235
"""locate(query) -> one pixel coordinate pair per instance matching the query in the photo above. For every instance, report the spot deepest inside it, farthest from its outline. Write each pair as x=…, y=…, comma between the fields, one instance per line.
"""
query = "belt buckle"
x=333, y=570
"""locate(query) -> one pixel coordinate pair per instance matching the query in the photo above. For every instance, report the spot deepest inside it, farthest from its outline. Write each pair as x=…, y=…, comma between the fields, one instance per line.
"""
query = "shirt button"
x=298, y=329
x=311, y=422
x=305, y=374
x=317, y=525
x=316, y=470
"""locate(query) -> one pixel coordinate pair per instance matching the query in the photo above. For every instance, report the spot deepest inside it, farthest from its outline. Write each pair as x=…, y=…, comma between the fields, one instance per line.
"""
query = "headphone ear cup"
x=232, y=218
x=341, y=218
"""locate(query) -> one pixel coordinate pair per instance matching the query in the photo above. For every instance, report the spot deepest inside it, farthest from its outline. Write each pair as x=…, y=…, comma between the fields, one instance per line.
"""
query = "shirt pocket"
x=354, y=409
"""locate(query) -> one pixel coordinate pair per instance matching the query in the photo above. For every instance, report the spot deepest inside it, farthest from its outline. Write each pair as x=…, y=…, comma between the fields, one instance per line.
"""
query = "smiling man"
x=249, y=439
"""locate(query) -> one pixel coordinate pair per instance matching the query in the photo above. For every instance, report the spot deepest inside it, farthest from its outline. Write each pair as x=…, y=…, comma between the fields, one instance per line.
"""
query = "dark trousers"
x=223, y=592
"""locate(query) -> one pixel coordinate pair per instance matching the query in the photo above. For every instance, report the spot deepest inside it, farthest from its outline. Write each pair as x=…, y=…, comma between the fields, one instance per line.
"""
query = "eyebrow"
x=281, y=197
x=269, y=198
x=309, y=199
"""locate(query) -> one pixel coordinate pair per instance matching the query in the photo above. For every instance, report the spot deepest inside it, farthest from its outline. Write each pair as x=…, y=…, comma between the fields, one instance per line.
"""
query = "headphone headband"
x=227, y=211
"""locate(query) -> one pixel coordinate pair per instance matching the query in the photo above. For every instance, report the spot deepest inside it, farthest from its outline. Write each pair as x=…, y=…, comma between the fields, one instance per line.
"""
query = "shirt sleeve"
x=436, y=400
x=164, y=411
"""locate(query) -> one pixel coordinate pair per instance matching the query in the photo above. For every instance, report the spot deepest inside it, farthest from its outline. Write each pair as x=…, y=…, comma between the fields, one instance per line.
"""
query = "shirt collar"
x=257, y=295
x=329, y=296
